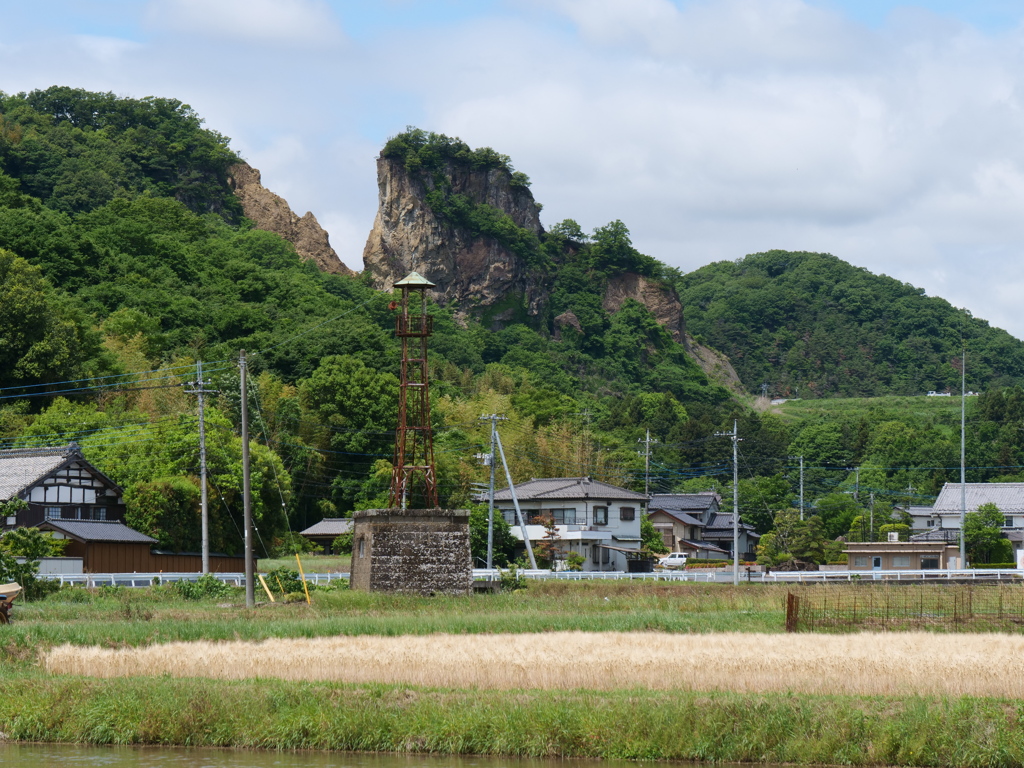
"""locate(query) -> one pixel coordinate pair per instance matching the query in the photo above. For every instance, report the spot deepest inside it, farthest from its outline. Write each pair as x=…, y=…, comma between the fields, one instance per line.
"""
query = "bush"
x=292, y=543
x=342, y=545
x=206, y=586
x=70, y=594
x=282, y=580
x=511, y=580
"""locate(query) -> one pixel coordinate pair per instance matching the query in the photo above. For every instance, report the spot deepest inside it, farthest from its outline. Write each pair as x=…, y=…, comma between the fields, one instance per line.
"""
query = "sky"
x=889, y=134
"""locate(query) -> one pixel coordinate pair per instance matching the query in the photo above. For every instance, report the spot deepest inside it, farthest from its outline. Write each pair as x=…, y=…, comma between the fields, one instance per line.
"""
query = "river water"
x=39, y=755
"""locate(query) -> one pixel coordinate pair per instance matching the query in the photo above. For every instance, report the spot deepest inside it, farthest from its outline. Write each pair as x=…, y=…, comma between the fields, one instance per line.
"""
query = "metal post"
x=646, y=453
x=199, y=389
x=872, y=516
x=494, y=419
x=250, y=593
x=735, y=506
x=801, y=487
x=515, y=502
x=963, y=457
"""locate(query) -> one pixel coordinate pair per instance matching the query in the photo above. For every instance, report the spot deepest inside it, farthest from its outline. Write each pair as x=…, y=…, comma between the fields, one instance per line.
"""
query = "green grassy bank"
x=638, y=725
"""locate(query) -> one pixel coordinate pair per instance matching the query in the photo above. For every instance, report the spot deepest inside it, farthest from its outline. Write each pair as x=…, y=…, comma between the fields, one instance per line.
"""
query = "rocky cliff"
x=272, y=213
x=473, y=273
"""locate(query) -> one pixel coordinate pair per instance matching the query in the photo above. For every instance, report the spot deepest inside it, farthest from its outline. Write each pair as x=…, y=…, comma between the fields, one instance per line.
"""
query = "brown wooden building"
x=107, y=546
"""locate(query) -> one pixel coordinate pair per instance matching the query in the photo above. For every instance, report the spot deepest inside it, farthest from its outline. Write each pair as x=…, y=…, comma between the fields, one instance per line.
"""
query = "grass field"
x=942, y=411
x=310, y=563
x=522, y=673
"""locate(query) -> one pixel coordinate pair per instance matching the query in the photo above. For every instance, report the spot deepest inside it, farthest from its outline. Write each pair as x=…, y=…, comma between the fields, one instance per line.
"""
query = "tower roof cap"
x=414, y=280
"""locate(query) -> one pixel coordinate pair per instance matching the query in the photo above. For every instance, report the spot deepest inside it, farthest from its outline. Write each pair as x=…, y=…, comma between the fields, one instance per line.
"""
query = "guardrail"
x=494, y=574
x=91, y=580
x=968, y=574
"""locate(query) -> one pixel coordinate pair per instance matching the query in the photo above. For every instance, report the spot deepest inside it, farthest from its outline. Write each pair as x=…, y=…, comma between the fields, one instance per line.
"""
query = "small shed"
x=900, y=555
x=105, y=546
x=326, y=531
x=110, y=546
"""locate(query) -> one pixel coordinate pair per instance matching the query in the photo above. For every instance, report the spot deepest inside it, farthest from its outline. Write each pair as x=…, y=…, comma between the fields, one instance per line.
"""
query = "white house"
x=943, y=517
x=599, y=521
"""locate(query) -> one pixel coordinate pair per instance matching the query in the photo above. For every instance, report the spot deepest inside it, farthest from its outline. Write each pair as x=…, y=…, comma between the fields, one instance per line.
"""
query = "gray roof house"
x=57, y=483
x=942, y=519
x=594, y=519
x=326, y=531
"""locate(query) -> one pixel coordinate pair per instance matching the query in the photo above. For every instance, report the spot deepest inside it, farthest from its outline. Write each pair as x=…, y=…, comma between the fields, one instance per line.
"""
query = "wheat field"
x=860, y=664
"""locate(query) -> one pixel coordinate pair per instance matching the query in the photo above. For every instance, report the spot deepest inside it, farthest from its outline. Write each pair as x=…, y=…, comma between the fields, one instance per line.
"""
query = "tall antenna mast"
x=414, y=440
x=963, y=452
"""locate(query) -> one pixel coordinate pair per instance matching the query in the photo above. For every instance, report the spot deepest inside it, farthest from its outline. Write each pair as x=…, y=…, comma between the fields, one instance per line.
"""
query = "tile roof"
x=1009, y=497
x=21, y=467
x=99, y=530
x=721, y=524
x=682, y=517
x=701, y=545
x=568, y=488
x=688, y=502
x=329, y=526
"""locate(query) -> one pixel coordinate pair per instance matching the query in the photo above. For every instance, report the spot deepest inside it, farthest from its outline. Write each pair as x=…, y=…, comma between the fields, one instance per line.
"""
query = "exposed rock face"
x=471, y=273
x=660, y=300
x=663, y=303
x=714, y=364
x=272, y=213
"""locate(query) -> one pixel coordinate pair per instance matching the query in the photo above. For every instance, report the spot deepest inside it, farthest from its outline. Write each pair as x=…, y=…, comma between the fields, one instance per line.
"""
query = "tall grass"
x=635, y=724
x=861, y=664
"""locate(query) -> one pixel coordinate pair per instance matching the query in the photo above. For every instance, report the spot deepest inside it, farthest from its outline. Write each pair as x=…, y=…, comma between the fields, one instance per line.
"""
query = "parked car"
x=673, y=560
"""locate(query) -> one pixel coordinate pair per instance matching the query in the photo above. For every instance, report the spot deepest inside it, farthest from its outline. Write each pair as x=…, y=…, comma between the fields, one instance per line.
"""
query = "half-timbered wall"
x=73, y=492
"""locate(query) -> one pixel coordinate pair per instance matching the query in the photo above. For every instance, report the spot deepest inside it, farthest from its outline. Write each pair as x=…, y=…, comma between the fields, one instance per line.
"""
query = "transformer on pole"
x=414, y=441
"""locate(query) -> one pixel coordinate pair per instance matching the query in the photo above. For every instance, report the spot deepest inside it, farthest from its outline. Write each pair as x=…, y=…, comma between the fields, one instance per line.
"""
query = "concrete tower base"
x=418, y=551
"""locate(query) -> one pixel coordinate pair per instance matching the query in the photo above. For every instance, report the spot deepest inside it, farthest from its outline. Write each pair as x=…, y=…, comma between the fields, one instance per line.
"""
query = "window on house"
x=860, y=561
x=99, y=513
x=1007, y=522
x=901, y=561
x=597, y=555
x=929, y=563
x=627, y=513
x=606, y=555
x=510, y=516
x=52, y=513
x=566, y=516
x=600, y=515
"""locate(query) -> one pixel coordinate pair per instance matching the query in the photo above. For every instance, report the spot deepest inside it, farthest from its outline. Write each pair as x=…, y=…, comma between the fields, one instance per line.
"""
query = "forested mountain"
x=125, y=258
x=811, y=325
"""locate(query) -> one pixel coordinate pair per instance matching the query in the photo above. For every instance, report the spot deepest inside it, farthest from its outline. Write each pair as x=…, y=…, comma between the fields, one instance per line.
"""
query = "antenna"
x=414, y=439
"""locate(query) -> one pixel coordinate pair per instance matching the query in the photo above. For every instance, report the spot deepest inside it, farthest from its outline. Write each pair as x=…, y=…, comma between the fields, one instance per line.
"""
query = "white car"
x=673, y=560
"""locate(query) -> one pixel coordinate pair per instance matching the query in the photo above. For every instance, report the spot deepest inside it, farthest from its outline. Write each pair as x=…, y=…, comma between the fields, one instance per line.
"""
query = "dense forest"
x=125, y=260
x=811, y=325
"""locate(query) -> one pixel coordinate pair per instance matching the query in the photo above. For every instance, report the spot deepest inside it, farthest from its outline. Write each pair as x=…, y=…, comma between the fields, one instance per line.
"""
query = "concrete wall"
x=420, y=551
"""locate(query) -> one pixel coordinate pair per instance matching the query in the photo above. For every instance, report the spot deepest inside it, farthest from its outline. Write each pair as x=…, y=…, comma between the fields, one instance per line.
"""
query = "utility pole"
x=250, y=588
x=963, y=456
x=801, y=484
x=494, y=419
x=646, y=453
x=585, y=436
x=872, y=516
x=735, y=501
x=856, y=484
x=515, y=502
x=199, y=388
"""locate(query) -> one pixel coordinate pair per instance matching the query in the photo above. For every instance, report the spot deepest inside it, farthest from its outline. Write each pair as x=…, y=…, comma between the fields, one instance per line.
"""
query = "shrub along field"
x=866, y=699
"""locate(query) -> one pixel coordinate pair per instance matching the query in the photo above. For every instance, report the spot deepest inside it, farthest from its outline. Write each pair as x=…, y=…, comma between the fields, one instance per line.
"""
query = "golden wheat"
x=868, y=664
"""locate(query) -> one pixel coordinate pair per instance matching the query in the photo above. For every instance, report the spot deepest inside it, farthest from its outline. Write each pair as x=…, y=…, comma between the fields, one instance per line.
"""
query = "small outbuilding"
x=326, y=531
x=901, y=555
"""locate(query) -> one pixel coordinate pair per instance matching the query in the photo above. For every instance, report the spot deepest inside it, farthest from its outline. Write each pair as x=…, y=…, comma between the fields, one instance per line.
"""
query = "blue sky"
x=888, y=134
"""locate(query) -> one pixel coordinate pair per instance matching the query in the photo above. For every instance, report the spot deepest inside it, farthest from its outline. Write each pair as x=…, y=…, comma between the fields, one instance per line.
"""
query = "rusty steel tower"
x=414, y=440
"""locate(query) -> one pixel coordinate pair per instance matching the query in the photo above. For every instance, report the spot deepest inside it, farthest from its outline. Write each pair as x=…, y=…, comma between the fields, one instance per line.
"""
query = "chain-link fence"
x=952, y=608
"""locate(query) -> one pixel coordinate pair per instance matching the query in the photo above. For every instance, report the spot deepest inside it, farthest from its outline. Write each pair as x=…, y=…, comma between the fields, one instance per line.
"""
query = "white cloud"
x=293, y=22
